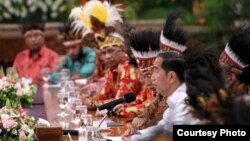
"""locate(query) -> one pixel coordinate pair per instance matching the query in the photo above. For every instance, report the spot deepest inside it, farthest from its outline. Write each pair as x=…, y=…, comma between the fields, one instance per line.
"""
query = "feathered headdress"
x=69, y=38
x=112, y=39
x=211, y=102
x=173, y=38
x=95, y=16
x=236, y=55
x=145, y=46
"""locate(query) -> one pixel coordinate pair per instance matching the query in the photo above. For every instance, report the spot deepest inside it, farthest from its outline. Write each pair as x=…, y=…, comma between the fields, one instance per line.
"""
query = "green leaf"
x=8, y=104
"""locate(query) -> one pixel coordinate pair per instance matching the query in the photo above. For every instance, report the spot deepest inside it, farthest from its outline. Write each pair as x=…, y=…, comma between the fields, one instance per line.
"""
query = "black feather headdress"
x=237, y=50
x=211, y=102
x=145, y=46
x=173, y=38
x=236, y=55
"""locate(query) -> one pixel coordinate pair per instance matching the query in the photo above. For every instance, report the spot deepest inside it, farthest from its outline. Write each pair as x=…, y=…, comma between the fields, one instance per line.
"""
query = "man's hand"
x=130, y=132
x=118, y=109
x=102, y=112
x=137, y=122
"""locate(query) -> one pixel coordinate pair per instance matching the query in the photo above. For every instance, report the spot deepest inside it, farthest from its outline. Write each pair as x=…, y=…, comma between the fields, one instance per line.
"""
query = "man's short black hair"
x=173, y=61
x=32, y=22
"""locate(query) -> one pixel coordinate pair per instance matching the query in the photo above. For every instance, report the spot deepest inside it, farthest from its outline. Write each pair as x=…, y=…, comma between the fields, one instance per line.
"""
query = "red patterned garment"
x=143, y=100
x=119, y=81
x=28, y=67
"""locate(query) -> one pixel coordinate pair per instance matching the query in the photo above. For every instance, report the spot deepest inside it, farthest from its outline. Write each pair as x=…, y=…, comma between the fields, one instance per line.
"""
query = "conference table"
x=50, y=107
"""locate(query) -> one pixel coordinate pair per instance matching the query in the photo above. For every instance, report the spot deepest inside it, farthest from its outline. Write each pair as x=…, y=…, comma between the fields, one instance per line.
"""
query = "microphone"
x=127, y=98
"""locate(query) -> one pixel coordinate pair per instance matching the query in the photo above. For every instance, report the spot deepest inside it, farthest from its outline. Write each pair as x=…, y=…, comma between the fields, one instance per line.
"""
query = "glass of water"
x=63, y=103
x=64, y=76
x=81, y=110
x=91, y=132
x=46, y=75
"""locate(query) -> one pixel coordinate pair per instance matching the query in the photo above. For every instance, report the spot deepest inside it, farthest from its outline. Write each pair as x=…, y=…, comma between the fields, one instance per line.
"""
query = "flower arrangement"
x=15, y=124
x=18, y=90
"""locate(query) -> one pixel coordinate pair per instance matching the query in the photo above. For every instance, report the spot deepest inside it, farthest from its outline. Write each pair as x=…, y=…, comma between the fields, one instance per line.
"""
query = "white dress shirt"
x=176, y=114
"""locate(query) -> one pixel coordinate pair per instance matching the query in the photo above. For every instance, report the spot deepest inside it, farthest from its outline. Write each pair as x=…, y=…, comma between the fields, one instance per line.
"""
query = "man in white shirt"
x=168, y=79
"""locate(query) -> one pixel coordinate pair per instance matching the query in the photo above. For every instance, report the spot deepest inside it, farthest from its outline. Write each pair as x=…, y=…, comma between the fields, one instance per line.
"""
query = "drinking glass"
x=64, y=76
x=74, y=95
x=46, y=75
x=69, y=85
x=91, y=132
x=73, y=104
x=63, y=103
x=81, y=110
x=63, y=122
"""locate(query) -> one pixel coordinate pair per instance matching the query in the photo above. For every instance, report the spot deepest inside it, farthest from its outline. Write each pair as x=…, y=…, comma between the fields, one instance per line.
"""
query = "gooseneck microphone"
x=127, y=98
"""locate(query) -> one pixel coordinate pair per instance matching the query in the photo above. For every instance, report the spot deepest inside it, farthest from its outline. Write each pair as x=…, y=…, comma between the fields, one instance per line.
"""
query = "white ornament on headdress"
x=146, y=54
x=115, y=34
x=172, y=44
x=234, y=57
x=77, y=14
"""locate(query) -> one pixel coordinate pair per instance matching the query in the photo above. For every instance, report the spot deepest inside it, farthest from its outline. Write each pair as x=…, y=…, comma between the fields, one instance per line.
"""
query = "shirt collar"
x=178, y=96
x=40, y=53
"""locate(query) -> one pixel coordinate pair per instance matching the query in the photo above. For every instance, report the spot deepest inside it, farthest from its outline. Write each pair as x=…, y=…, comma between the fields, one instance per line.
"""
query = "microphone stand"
x=109, y=113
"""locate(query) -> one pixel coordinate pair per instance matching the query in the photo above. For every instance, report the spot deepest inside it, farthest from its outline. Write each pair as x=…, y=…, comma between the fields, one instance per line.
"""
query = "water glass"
x=64, y=74
x=46, y=75
x=87, y=120
x=74, y=103
x=81, y=110
x=62, y=99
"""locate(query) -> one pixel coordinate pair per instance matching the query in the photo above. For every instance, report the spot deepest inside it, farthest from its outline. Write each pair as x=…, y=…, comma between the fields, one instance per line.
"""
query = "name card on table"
x=49, y=134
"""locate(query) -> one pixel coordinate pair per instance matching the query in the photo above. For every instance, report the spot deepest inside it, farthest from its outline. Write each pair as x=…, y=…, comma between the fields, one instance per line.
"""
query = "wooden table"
x=52, y=109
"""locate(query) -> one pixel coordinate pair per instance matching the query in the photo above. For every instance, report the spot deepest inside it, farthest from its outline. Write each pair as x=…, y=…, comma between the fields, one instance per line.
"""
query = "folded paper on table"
x=103, y=125
x=111, y=123
x=81, y=81
x=112, y=138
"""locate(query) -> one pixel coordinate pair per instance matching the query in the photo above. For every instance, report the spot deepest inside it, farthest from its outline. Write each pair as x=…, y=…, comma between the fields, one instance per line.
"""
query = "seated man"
x=235, y=61
x=121, y=76
x=30, y=62
x=168, y=79
x=145, y=47
x=173, y=39
x=80, y=59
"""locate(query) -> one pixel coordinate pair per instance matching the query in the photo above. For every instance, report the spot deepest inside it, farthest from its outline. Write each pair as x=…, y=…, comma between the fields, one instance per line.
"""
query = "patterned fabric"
x=31, y=68
x=84, y=65
x=152, y=114
x=119, y=81
x=178, y=112
x=143, y=100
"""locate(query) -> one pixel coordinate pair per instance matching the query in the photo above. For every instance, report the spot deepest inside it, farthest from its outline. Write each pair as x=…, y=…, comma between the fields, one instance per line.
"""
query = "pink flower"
x=22, y=113
x=3, y=83
x=10, y=122
x=24, y=127
x=22, y=136
x=19, y=92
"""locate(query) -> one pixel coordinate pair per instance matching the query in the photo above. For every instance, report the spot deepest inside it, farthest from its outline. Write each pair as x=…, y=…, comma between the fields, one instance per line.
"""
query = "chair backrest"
x=49, y=134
